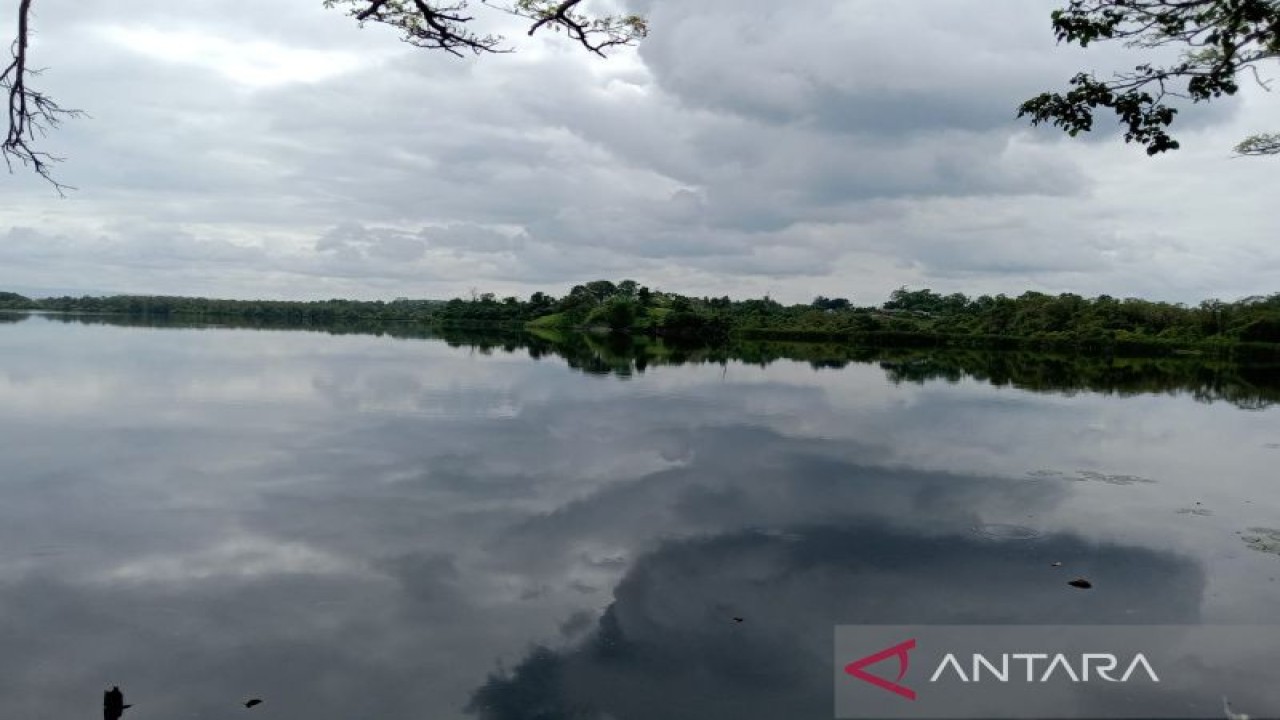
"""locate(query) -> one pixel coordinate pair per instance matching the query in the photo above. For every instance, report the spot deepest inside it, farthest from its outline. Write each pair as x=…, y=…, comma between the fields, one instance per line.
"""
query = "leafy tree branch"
x=445, y=27
x=1220, y=40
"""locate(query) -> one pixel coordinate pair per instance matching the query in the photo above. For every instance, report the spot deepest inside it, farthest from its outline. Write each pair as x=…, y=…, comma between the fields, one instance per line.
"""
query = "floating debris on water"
x=1265, y=540
x=1090, y=476
x=1201, y=512
x=1006, y=531
x=1080, y=583
x=1055, y=564
x=113, y=705
x=252, y=702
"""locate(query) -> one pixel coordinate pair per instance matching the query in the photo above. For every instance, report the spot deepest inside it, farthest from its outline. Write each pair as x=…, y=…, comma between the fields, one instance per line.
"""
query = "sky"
x=238, y=148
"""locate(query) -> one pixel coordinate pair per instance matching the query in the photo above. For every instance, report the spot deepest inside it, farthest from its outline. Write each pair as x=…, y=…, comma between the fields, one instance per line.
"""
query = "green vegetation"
x=14, y=301
x=910, y=318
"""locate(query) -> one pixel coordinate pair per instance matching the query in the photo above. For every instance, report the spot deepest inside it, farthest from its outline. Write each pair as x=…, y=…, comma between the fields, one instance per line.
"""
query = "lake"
x=361, y=526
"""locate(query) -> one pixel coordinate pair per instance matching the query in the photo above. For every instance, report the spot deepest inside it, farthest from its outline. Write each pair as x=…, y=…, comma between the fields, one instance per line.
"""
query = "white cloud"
x=252, y=63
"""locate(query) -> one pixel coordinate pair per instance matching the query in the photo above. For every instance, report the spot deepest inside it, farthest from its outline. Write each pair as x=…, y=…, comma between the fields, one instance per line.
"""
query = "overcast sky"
x=242, y=148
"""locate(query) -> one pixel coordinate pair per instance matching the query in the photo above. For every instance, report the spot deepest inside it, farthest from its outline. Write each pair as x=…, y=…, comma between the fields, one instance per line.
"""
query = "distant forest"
x=1031, y=320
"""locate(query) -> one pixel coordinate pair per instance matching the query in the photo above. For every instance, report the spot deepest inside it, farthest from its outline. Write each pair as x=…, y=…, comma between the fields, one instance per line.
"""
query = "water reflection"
x=354, y=526
x=1245, y=383
x=667, y=646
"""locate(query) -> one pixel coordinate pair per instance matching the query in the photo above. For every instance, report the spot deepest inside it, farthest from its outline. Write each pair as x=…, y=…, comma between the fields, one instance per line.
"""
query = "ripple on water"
x=1005, y=531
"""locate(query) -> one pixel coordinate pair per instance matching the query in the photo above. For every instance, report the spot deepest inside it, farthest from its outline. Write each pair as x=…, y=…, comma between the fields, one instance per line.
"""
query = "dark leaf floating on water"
x=113, y=706
x=252, y=703
x=1080, y=583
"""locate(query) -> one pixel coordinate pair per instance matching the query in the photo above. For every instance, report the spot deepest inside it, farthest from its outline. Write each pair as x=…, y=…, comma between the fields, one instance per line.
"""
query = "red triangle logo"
x=900, y=651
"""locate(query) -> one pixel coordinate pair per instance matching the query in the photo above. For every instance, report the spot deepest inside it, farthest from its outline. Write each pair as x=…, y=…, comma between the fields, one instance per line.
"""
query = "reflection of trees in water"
x=1249, y=386
x=1243, y=384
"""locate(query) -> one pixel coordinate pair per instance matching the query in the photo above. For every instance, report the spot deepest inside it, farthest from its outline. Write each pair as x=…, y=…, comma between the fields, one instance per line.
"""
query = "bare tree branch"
x=31, y=113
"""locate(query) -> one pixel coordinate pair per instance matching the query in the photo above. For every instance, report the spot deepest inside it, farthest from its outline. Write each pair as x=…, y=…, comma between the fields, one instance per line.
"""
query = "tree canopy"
x=1218, y=42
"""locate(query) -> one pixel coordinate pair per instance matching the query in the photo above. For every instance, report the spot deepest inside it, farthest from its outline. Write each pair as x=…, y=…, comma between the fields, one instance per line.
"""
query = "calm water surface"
x=364, y=527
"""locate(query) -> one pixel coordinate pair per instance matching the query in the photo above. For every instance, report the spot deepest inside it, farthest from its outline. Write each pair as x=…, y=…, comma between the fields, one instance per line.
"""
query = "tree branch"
x=426, y=23
x=31, y=113
x=595, y=35
x=373, y=8
x=1265, y=144
x=1222, y=39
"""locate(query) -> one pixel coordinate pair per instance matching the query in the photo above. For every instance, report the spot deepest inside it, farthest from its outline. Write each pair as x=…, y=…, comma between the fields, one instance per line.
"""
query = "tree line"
x=919, y=317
